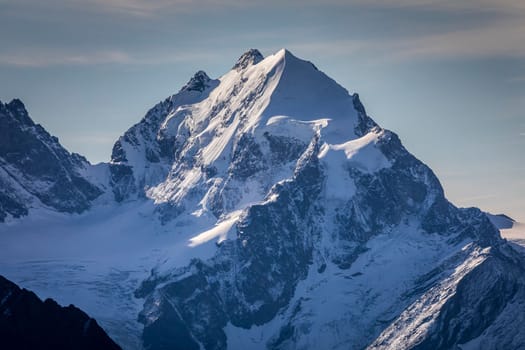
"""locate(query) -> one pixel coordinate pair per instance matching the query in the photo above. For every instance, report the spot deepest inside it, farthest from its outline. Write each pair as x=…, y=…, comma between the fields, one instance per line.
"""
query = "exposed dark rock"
x=34, y=164
x=226, y=288
x=199, y=82
x=247, y=158
x=26, y=322
x=250, y=57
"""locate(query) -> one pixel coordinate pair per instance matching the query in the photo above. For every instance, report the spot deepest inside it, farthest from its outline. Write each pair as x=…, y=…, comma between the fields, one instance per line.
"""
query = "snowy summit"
x=263, y=209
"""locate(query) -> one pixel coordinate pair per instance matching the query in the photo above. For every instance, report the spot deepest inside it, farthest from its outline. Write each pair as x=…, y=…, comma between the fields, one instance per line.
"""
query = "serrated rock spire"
x=250, y=57
x=199, y=82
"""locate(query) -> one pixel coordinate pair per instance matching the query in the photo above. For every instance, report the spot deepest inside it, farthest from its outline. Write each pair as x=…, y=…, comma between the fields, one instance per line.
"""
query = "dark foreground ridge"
x=26, y=322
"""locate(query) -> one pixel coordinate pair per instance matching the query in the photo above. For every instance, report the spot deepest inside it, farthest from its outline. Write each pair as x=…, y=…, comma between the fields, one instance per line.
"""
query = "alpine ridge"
x=26, y=322
x=36, y=170
x=265, y=209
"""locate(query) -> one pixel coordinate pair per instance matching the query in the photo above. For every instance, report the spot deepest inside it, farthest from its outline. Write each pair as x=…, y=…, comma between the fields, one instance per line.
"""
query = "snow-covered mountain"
x=266, y=210
x=36, y=171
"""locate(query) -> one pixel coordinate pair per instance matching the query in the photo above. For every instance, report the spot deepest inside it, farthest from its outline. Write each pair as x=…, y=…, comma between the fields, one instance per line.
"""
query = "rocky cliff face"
x=35, y=170
x=26, y=322
x=475, y=306
x=144, y=154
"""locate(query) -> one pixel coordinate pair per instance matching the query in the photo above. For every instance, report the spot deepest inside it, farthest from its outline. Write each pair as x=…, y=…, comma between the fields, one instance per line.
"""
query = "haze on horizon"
x=448, y=77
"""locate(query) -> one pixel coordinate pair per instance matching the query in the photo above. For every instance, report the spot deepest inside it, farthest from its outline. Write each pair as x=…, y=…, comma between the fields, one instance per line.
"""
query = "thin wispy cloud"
x=508, y=6
x=39, y=58
x=504, y=38
x=159, y=7
x=162, y=7
x=134, y=8
x=517, y=79
x=152, y=6
x=44, y=58
x=500, y=39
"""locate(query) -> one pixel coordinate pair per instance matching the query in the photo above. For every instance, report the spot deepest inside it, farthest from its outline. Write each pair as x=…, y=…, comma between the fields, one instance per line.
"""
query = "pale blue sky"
x=448, y=78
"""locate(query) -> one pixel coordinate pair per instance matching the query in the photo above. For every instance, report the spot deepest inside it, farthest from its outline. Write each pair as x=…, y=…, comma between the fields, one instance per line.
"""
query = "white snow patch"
x=220, y=230
x=362, y=153
x=339, y=184
x=303, y=130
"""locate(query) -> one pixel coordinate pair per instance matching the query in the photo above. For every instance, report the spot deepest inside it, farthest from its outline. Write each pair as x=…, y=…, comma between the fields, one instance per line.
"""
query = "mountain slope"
x=266, y=210
x=35, y=170
x=197, y=134
x=475, y=307
x=304, y=188
x=28, y=323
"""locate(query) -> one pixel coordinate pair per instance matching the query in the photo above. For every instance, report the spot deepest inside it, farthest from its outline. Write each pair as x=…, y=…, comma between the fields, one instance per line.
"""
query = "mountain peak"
x=40, y=170
x=250, y=57
x=16, y=103
x=288, y=57
x=199, y=82
x=18, y=111
x=285, y=53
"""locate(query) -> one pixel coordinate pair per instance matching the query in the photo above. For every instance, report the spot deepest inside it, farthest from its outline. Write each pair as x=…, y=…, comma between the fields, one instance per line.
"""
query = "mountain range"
x=261, y=210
